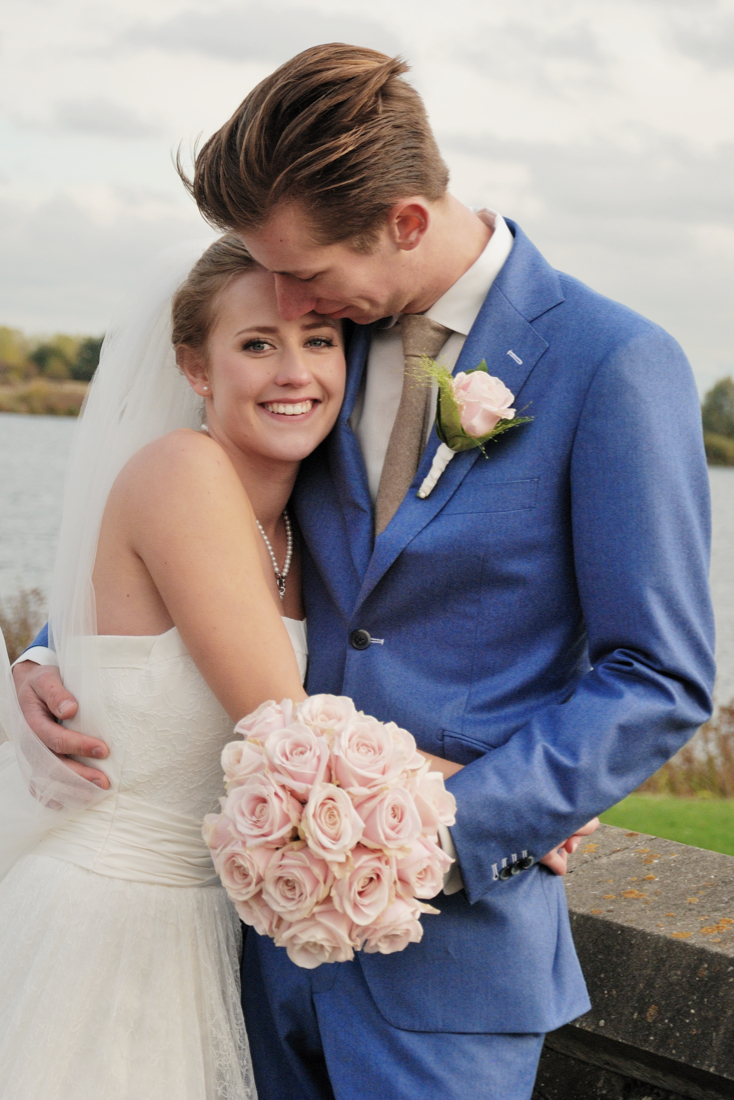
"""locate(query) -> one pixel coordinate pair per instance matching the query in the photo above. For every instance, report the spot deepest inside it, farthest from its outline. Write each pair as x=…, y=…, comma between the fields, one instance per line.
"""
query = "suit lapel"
x=347, y=463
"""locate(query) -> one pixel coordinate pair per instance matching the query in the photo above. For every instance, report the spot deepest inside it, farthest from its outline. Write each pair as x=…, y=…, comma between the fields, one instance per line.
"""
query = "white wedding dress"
x=119, y=950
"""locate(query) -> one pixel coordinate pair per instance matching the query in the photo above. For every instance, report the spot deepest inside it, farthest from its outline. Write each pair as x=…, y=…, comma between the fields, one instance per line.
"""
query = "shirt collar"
x=459, y=307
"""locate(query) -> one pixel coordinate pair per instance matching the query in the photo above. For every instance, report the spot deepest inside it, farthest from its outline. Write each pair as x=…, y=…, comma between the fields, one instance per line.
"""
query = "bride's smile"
x=272, y=388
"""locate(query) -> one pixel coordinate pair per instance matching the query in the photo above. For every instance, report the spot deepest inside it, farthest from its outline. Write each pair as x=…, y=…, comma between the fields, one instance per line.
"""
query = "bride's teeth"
x=290, y=410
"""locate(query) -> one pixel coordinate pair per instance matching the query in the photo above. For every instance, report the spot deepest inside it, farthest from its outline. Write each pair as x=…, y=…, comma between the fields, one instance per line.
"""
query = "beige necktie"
x=421, y=336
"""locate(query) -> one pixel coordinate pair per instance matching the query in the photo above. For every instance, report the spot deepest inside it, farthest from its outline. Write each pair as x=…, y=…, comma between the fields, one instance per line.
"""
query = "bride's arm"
x=179, y=510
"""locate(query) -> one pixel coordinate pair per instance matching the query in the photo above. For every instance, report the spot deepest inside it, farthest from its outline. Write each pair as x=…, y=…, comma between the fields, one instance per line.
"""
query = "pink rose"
x=256, y=912
x=268, y=717
x=295, y=881
x=483, y=401
x=367, y=888
x=241, y=870
x=262, y=811
x=218, y=831
x=391, y=819
x=327, y=714
x=297, y=757
x=434, y=803
x=393, y=930
x=421, y=872
x=369, y=755
x=330, y=824
x=241, y=759
x=324, y=937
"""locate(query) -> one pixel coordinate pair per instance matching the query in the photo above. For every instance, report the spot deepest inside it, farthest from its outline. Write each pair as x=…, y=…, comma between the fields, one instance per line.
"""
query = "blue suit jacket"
x=545, y=619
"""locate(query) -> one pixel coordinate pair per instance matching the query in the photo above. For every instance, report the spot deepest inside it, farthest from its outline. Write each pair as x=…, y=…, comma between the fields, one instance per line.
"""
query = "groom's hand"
x=557, y=860
x=45, y=702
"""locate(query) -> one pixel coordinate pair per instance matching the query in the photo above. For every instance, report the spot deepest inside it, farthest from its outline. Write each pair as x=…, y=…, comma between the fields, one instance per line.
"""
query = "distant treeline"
x=59, y=358
x=46, y=376
x=718, y=423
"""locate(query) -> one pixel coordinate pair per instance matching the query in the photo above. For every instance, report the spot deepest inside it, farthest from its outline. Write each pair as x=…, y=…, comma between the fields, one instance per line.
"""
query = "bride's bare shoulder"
x=182, y=459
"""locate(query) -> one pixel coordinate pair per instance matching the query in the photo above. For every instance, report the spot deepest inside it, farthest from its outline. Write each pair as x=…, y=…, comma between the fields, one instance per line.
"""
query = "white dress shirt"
x=457, y=309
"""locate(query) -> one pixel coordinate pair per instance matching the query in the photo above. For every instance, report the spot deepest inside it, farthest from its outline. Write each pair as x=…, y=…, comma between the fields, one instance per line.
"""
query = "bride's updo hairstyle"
x=194, y=307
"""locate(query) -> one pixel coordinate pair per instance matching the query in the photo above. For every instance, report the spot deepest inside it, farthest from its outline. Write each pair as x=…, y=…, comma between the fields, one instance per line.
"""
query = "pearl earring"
x=205, y=389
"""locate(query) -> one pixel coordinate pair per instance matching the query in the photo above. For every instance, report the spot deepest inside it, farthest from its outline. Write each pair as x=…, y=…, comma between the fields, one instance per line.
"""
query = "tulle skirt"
x=116, y=990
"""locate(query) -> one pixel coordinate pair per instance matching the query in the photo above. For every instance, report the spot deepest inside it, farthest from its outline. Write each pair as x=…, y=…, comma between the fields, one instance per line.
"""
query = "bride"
x=176, y=609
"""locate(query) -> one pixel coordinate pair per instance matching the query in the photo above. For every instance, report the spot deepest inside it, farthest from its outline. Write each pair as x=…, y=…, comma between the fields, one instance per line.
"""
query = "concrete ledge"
x=653, y=923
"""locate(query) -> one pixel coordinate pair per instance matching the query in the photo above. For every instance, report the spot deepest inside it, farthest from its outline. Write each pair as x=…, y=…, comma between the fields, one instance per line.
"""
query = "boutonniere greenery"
x=473, y=407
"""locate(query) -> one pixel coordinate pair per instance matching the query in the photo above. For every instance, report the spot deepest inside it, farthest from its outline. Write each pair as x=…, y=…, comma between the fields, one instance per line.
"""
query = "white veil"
x=137, y=395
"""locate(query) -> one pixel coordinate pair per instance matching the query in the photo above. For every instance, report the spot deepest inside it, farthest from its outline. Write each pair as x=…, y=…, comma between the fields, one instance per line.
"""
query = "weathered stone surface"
x=654, y=927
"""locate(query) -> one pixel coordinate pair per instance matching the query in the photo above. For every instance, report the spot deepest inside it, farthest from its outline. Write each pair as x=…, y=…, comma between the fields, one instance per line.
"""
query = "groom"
x=542, y=617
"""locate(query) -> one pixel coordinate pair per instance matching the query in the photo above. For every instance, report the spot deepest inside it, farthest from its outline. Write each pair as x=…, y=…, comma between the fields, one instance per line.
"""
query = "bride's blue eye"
x=255, y=345
x=320, y=342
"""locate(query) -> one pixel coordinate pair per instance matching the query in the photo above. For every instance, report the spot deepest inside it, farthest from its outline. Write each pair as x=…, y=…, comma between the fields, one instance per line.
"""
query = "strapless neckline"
x=139, y=650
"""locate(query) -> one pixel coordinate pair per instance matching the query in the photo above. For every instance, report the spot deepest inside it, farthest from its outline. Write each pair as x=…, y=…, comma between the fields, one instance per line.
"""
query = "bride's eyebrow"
x=267, y=330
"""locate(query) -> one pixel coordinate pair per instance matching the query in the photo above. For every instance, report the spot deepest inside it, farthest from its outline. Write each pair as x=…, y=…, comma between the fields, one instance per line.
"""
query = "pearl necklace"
x=280, y=574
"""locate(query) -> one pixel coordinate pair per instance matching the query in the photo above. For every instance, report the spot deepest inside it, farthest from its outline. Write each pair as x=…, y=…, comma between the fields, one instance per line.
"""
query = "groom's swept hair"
x=336, y=129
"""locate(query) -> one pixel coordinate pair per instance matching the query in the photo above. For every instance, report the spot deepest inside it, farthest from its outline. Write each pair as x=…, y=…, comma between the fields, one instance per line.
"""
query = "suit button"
x=526, y=863
x=505, y=873
x=360, y=639
x=516, y=868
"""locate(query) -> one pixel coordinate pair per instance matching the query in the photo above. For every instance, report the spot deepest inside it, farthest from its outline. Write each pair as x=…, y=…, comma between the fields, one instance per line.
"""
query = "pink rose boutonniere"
x=473, y=407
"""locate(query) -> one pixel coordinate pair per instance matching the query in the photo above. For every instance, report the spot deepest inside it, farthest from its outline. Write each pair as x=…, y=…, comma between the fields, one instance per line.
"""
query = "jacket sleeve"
x=640, y=519
x=39, y=651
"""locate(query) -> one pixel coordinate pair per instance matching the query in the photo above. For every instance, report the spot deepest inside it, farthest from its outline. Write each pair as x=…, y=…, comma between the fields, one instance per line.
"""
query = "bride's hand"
x=447, y=768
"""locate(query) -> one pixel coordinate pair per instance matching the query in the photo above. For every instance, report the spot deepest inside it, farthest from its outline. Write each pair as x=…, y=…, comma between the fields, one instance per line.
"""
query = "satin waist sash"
x=122, y=837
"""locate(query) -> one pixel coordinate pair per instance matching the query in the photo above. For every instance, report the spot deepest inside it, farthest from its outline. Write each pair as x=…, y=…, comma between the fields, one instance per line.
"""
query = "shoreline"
x=43, y=397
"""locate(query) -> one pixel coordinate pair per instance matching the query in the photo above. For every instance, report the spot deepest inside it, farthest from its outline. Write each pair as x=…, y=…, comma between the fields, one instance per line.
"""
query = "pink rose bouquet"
x=473, y=407
x=327, y=839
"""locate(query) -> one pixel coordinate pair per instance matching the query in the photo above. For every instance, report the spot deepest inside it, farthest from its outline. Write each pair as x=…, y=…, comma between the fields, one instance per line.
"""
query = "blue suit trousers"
x=318, y=1035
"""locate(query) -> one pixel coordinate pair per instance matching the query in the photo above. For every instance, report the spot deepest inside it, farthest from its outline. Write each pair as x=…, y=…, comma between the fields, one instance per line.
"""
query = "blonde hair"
x=336, y=129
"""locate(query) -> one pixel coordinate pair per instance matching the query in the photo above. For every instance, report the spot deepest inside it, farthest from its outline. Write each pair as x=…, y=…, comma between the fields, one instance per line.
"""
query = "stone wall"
x=653, y=923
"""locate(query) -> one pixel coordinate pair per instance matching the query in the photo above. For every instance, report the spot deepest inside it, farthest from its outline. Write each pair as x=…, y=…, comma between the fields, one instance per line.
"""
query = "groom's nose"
x=294, y=298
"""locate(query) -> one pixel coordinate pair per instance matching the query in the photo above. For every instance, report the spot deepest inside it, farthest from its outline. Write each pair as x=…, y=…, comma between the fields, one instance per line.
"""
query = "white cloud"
x=70, y=260
x=257, y=32
x=98, y=117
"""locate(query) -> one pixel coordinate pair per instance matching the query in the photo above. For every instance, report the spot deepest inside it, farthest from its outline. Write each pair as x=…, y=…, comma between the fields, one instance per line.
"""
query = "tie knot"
x=422, y=336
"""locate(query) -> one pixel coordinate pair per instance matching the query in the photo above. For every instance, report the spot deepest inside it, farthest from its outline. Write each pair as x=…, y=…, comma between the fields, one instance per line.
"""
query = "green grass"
x=705, y=823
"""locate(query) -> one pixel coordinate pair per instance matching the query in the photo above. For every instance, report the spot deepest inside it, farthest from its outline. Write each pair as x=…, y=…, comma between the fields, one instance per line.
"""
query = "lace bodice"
x=166, y=728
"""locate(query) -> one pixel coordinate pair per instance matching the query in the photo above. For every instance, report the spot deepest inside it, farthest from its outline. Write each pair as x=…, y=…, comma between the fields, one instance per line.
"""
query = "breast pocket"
x=477, y=495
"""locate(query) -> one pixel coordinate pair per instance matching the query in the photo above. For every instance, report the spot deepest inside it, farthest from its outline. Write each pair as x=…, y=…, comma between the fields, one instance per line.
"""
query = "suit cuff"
x=39, y=655
x=452, y=880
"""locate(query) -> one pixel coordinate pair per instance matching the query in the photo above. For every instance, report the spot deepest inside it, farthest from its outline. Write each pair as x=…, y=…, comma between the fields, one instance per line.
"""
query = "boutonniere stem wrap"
x=473, y=407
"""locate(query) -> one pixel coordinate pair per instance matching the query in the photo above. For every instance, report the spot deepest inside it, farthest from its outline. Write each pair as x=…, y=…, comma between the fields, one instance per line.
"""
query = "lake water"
x=33, y=453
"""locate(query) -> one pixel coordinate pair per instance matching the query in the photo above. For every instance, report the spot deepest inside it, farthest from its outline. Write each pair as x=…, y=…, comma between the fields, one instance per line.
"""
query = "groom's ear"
x=192, y=363
x=408, y=221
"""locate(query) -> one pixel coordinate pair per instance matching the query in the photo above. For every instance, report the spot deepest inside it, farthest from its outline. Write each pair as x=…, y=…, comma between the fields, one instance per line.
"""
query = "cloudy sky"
x=605, y=127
